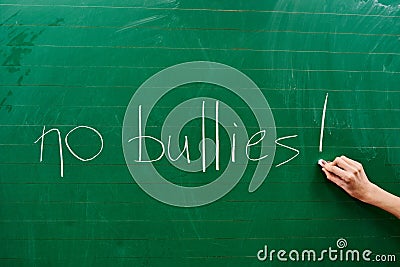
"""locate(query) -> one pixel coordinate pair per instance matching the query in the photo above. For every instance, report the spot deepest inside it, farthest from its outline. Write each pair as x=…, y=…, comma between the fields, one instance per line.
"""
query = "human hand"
x=350, y=176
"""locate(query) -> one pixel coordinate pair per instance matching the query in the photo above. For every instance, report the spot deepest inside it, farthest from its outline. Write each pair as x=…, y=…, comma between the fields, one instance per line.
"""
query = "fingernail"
x=321, y=162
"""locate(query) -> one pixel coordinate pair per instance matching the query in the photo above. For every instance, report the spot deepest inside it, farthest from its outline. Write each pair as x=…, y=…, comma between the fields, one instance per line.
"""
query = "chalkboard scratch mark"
x=24, y=38
x=140, y=22
x=13, y=59
x=117, y=119
x=385, y=5
x=370, y=152
x=21, y=43
x=191, y=220
x=9, y=18
x=57, y=116
x=174, y=3
x=20, y=79
x=57, y=22
x=3, y=102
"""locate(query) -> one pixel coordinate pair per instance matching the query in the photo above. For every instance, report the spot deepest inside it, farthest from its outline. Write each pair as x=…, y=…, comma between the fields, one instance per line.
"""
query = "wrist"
x=372, y=194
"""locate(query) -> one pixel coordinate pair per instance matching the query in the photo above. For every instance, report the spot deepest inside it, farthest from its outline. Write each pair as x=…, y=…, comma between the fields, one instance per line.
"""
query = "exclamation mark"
x=321, y=136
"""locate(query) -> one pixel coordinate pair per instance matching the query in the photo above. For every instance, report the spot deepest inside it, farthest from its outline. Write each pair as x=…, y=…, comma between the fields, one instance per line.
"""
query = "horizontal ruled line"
x=210, y=238
x=222, y=108
x=204, y=48
x=166, y=164
x=175, y=8
x=157, y=126
x=385, y=91
x=243, y=69
x=143, y=202
x=224, y=221
x=264, y=146
x=171, y=239
x=201, y=29
x=237, y=108
x=113, y=145
x=322, y=181
x=119, y=220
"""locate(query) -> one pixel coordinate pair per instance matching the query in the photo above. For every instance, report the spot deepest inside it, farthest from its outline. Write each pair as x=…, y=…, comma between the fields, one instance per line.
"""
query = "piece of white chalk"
x=321, y=162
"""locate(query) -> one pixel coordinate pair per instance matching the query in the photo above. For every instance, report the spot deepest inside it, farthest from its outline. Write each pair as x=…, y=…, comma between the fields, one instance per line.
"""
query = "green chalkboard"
x=99, y=98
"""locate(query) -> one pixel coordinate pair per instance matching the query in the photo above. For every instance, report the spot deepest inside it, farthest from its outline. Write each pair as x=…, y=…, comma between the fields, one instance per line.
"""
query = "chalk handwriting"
x=288, y=147
x=321, y=136
x=255, y=139
x=44, y=133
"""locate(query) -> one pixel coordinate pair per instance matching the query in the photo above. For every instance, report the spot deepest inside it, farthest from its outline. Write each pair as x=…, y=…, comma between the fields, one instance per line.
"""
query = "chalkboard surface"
x=255, y=91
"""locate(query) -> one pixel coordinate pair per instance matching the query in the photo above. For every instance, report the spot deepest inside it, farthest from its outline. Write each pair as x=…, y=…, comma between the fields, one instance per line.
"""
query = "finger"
x=334, y=178
x=345, y=165
x=351, y=162
x=337, y=171
x=329, y=175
